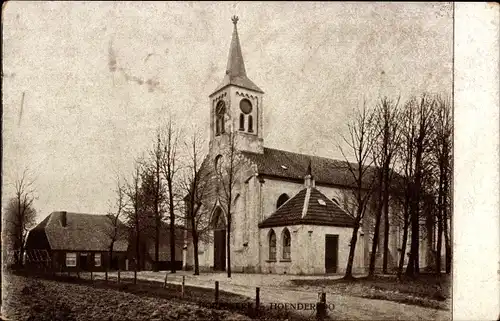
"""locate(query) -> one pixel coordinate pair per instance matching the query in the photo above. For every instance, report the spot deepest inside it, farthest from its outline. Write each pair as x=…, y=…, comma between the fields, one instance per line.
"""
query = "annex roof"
x=309, y=207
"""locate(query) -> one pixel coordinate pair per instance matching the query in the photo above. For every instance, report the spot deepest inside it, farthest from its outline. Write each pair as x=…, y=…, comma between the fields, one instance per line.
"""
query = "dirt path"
x=272, y=293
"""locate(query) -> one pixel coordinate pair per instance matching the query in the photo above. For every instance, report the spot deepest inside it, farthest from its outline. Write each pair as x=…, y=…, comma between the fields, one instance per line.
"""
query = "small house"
x=78, y=242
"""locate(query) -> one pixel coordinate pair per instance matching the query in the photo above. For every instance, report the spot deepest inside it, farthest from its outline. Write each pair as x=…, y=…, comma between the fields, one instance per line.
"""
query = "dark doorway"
x=84, y=261
x=220, y=250
x=331, y=253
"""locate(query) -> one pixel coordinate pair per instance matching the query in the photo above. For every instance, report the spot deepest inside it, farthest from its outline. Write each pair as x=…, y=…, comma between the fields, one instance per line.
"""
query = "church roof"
x=289, y=165
x=235, y=70
x=309, y=207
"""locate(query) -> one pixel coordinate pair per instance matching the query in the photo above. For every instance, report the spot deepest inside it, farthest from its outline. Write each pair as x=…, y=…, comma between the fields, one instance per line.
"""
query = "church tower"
x=236, y=105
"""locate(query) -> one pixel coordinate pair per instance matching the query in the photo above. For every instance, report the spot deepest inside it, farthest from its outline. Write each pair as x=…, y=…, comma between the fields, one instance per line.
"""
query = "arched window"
x=272, y=246
x=242, y=122
x=250, y=124
x=218, y=222
x=218, y=164
x=281, y=200
x=220, y=111
x=287, y=243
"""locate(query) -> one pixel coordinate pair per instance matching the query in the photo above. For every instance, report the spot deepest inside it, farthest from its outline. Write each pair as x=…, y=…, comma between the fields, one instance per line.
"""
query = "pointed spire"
x=235, y=70
x=309, y=169
x=235, y=65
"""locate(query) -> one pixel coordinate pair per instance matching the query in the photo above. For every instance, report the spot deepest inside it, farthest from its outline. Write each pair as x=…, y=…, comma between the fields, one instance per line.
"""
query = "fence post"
x=216, y=292
x=118, y=276
x=106, y=274
x=165, y=282
x=257, y=298
x=91, y=276
x=321, y=307
x=183, y=282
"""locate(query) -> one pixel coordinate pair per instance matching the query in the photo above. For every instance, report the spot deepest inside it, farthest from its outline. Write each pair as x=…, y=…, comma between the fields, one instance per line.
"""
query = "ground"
x=148, y=300
x=44, y=300
x=283, y=289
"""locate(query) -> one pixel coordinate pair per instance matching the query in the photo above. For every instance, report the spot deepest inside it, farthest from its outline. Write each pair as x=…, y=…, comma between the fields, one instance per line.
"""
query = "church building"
x=288, y=209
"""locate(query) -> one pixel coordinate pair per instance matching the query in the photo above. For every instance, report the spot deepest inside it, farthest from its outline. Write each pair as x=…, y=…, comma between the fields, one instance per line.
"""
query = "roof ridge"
x=304, y=154
x=306, y=202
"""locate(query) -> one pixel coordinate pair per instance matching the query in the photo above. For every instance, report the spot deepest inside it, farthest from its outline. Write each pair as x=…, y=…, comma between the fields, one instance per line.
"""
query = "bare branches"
x=20, y=215
x=115, y=213
x=360, y=142
x=169, y=140
x=195, y=185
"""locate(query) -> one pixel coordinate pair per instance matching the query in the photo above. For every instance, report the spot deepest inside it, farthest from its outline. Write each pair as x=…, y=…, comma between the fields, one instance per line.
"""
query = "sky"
x=85, y=84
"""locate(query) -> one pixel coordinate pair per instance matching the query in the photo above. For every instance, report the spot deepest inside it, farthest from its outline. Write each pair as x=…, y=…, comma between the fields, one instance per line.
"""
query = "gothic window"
x=272, y=246
x=218, y=164
x=281, y=200
x=220, y=112
x=287, y=243
x=218, y=222
x=250, y=124
x=242, y=122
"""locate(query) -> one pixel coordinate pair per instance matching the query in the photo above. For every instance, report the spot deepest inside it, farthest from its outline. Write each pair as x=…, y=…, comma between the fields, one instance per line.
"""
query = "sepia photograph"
x=228, y=161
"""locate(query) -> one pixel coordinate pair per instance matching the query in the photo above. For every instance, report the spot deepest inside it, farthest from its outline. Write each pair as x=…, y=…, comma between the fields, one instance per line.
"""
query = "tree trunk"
x=352, y=251
x=137, y=247
x=446, y=231
x=195, y=250
x=110, y=259
x=157, y=244
x=386, y=228
x=403, y=246
x=228, y=241
x=172, y=243
x=373, y=255
x=172, y=226
x=441, y=197
x=447, y=245
x=376, y=233
x=387, y=161
x=439, y=244
x=412, y=268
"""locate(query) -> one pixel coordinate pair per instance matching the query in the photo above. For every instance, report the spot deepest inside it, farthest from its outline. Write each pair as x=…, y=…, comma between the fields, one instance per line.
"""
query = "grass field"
x=28, y=298
x=427, y=290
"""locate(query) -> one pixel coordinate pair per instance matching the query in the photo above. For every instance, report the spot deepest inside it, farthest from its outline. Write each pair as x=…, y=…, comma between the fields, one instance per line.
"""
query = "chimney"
x=308, y=179
x=63, y=219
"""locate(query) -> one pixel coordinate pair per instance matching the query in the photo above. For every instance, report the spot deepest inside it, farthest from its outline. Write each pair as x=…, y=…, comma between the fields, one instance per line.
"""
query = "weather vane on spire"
x=235, y=19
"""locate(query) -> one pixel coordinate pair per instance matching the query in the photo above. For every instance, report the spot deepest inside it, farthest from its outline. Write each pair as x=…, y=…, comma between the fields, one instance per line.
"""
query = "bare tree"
x=169, y=167
x=387, y=121
x=359, y=142
x=155, y=192
x=424, y=113
x=20, y=215
x=442, y=147
x=114, y=215
x=228, y=170
x=133, y=212
x=195, y=185
x=406, y=160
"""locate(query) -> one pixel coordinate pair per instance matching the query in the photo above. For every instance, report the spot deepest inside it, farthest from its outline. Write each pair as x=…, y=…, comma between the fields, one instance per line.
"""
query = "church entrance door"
x=331, y=253
x=219, y=250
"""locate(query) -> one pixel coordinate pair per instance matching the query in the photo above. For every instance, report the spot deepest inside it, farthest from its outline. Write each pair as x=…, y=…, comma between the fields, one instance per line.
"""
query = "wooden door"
x=220, y=250
x=331, y=253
